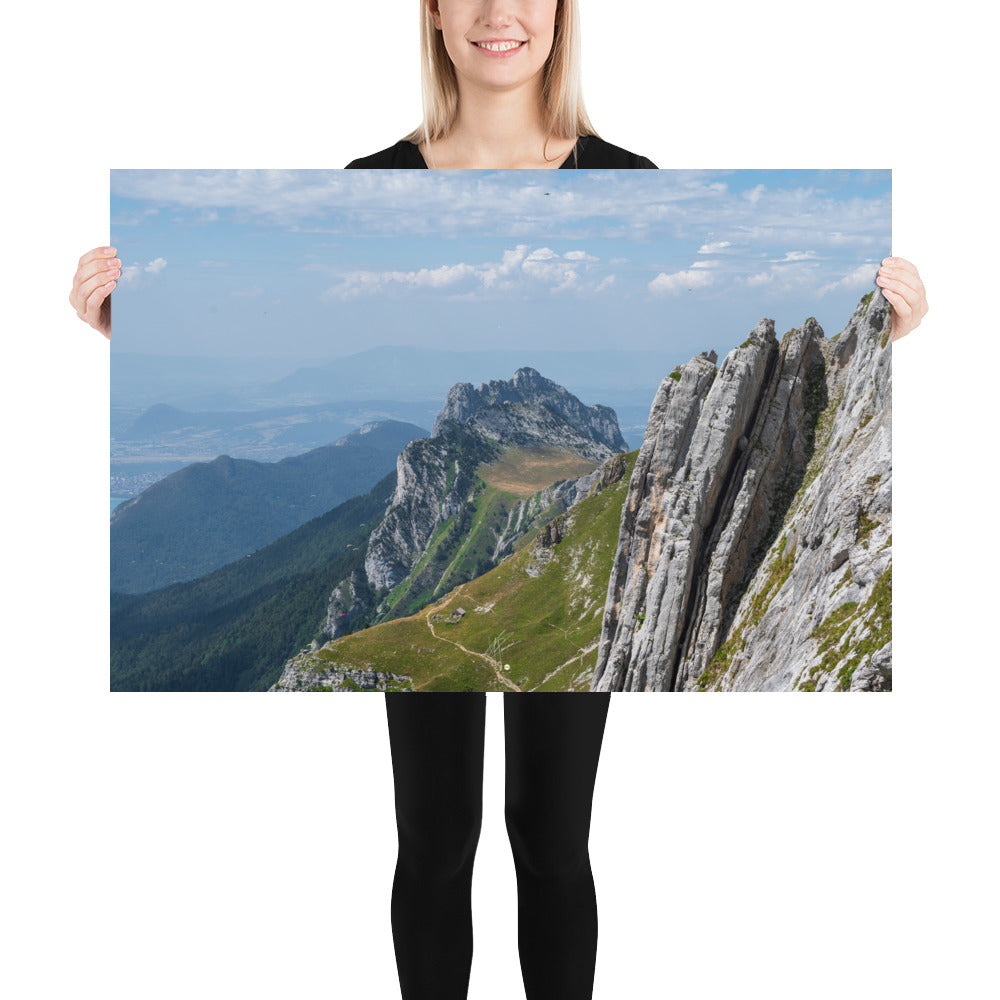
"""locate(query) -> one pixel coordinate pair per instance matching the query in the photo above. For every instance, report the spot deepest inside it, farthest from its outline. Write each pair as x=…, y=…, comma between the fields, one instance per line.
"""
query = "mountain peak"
x=531, y=409
x=526, y=374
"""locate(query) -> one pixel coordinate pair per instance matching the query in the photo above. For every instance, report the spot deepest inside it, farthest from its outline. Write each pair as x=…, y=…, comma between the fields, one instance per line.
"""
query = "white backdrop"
x=211, y=846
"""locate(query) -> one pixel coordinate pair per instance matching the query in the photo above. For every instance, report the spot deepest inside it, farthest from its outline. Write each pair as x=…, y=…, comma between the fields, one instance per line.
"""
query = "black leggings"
x=553, y=742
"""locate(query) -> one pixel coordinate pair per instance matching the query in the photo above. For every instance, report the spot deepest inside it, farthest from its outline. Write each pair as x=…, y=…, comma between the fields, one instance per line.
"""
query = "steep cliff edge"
x=532, y=623
x=755, y=543
x=530, y=409
x=444, y=524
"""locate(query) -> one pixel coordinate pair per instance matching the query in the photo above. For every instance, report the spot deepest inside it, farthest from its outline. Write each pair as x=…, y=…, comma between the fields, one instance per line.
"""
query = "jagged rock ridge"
x=436, y=477
x=755, y=546
x=531, y=409
x=300, y=673
x=552, y=647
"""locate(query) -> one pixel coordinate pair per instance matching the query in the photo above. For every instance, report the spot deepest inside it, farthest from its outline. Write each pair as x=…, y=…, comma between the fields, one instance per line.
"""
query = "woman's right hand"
x=96, y=275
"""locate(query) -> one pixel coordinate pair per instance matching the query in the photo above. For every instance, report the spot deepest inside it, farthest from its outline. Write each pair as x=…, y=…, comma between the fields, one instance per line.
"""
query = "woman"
x=501, y=89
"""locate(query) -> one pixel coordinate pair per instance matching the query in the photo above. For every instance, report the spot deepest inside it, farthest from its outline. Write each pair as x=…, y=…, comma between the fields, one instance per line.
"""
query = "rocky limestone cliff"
x=559, y=496
x=560, y=662
x=755, y=547
x=436, y=476
x=432, y=483
x=348, y=602
x=301, y=673
x=531, y=409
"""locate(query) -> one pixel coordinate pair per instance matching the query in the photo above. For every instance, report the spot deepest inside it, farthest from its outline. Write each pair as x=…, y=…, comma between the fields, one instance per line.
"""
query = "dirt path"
x=578, y=655
x=495, y=664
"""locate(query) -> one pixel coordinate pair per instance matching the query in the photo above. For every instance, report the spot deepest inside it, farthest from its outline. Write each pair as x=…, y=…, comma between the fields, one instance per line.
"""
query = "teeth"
x=498, y=46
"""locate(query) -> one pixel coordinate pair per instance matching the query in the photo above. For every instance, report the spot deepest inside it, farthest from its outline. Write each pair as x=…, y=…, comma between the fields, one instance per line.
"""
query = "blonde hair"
x=564, y=113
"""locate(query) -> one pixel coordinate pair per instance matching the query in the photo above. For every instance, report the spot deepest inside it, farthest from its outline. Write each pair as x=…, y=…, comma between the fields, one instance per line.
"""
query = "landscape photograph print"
x=528, y=431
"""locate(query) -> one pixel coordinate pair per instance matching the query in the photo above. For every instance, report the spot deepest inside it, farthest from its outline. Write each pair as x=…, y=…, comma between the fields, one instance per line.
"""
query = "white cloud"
x=715, y=247
x=132, y=272
x=134, y=218
x=518, y=265
x=670, y=284
x=570, y=279
x=357, y=282
x=797, y=255
x=453, y=202
x=860, y=277
x=513, y=258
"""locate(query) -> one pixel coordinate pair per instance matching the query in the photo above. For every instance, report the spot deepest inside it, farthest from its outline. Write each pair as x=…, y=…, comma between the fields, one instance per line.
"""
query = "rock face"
x=755, y=546
x=348, y=601
x=423, y=498
x=301, y=674
x=560, y=577
x=531, y=409
x=559, y=496
x=436, y=532
x=436, y=477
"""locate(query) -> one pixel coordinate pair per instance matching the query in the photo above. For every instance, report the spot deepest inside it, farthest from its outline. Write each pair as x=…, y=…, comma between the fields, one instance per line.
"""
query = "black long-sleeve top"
x=590, y=152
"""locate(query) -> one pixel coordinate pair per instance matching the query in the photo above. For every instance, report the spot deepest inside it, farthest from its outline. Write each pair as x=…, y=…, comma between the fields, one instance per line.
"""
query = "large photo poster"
x=501, y=431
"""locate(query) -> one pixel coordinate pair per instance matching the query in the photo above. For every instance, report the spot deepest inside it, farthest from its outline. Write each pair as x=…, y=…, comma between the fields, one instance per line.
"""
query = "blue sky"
x=319, y=264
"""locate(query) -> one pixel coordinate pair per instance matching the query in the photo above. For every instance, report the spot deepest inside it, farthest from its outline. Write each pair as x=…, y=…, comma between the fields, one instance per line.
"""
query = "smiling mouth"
x=505, y=46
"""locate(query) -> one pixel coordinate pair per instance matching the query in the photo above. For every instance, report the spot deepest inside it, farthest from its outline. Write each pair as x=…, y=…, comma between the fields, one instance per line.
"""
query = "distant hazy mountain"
x=264, y=434
x=420, y=373
x=140, y=380
x=746, y=546
x=210, y=513
x=503, y=460
x=612, y=377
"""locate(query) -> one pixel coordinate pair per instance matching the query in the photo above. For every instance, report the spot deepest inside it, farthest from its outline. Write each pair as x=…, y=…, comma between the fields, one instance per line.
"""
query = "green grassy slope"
x=539, y=612
x=462, y=546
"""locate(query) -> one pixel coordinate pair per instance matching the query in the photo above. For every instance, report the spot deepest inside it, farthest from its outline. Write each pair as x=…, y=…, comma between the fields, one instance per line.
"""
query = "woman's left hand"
x=904, y=291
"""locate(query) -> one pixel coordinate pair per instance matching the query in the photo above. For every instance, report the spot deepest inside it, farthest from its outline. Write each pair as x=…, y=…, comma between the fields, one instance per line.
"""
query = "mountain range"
x=487, y=476
x=209, y=513
x=753, y=550
x=745, y=546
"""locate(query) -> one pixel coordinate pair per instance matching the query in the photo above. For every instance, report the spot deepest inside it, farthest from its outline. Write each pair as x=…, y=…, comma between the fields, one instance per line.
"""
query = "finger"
x=96, y=281
x=96, y=254
x=916, y=300
x=99, y=265
x=901, y=263
x=89, y=275
x=899, y=305
x=911, y=294
x=905, y=271
x=92, y=309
